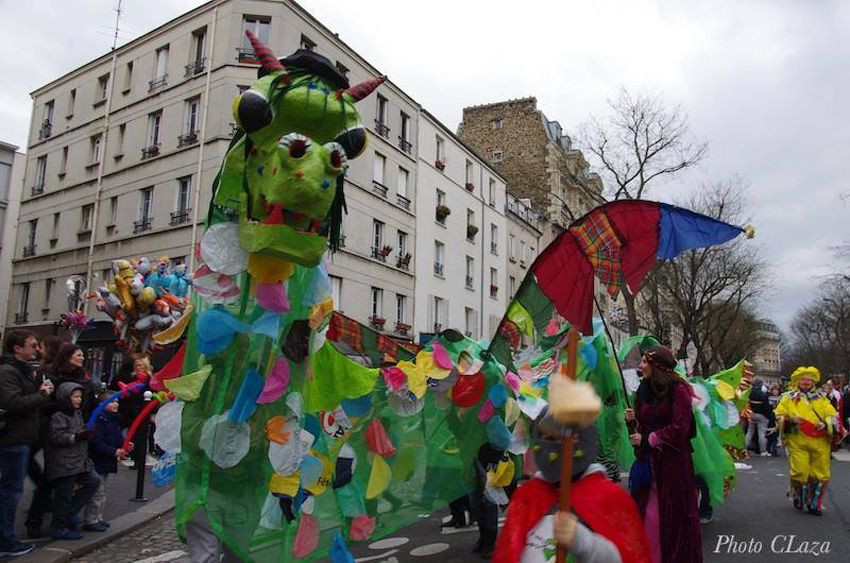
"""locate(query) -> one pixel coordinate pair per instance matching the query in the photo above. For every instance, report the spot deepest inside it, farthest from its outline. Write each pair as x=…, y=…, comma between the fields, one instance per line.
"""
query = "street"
x=757, y=523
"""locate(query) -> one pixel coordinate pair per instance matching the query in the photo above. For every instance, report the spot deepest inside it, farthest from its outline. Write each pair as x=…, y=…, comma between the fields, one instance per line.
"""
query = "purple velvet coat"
x=671, y=420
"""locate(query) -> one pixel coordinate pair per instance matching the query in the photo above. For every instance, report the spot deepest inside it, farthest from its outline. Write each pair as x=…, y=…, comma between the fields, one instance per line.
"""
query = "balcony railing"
x=405, y=145
x=45, y=130
x=21, y=318
x=180, y=216
x=29, y=250
x=187, y=139
x=381, y=128
x=438, y=327
x=158, y=82
x=150, y=152
x=494, y=248
x=402, y=262
x=402, y=201
x=196, y=67
x=142, y=225
x=378, y=254
x=438, y=269
x=379, y=188
x=246, y=56
x=469, y=281
x=37, y=190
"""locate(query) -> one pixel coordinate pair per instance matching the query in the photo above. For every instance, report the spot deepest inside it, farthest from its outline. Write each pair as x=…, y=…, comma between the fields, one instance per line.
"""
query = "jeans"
x=66, y=503
x=94, y=509
x=13, y=470
x=758, y=422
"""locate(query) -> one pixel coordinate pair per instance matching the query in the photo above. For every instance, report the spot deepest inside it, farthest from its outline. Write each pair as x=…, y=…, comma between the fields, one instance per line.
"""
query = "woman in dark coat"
x=665, y=426
x=69, y=367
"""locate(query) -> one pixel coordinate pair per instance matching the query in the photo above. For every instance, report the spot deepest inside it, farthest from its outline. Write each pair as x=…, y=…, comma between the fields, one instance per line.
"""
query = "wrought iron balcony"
x=187, y=139
x=37, y=190
x=379, y=188
x=180, y=216
x=402, y=201
x=469, y=282
x=45, y=130
x=381, y=128
x=21, y=318
x=405, y=145
x=196, y=67
x=29, y=250
x=158, y=82
x=142, y=225
x=438, y=269
x=494, y=248
x=378, y=254
x=150, y=152
x=247, y=56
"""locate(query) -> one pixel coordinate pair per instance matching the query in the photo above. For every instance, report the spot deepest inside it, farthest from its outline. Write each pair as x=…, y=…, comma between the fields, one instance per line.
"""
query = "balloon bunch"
x=143, y=299
x=75, y=322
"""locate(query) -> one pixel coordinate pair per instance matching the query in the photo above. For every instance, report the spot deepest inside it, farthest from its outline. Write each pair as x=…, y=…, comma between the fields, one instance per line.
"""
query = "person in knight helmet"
x=807, y=421
x=603, y=525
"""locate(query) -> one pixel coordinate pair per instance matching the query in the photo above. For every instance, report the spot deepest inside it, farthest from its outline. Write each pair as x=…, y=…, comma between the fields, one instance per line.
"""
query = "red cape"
x=606, y=508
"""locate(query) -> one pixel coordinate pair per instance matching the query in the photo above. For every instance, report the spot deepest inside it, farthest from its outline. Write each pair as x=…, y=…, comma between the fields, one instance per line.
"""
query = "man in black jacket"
x=20, y=397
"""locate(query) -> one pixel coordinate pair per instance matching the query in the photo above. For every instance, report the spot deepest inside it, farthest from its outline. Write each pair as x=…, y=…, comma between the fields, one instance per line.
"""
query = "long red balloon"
x=136, y=423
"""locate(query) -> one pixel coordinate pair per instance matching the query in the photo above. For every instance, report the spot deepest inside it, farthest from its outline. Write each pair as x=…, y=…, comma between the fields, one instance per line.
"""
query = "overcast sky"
x=764, y=82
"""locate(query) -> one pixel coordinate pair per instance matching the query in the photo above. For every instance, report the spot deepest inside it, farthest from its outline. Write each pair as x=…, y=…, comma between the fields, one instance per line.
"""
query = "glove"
x=83, y=436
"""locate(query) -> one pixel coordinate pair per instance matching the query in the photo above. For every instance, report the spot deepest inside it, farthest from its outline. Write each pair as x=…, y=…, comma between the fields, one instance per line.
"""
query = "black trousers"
x=41, y=497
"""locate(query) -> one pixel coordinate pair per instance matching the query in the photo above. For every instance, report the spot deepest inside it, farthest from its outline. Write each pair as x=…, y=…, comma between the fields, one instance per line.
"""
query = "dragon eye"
x=297, y=145
x=336, y=156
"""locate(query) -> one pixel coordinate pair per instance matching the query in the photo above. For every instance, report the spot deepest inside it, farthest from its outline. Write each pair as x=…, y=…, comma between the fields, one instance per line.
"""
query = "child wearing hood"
x=105, y=452
x=68, y=463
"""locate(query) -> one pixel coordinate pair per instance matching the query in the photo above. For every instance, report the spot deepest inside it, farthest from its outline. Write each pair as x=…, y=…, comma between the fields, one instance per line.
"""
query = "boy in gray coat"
x=68, y=462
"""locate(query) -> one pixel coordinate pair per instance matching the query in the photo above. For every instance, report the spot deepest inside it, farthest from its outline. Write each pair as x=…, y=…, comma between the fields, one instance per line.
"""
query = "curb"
x=62, y=551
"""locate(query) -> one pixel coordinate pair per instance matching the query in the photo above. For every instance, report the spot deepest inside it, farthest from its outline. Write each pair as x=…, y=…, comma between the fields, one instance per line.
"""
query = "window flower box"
x=377, y=322
x=443, y=211
x=471, y=231
x=470, y=187
x=441, y=165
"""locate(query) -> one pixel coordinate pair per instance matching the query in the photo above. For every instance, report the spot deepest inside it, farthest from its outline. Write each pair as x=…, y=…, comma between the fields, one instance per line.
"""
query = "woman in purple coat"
x=662, y=481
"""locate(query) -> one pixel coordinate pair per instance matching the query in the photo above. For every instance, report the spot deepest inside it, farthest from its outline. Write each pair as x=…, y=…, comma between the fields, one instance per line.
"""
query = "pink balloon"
x=394, y=377
x=441, y=357
x=486, y=411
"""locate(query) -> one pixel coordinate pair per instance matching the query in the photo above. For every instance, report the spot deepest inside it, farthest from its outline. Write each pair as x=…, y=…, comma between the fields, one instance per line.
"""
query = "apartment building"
x=767, y=358
x=525, y=232
x=11, y=180
x=461, y=232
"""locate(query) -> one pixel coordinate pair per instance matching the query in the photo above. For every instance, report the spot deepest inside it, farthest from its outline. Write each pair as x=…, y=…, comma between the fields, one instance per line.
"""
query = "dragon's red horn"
x=363, y=89
x=264, y=54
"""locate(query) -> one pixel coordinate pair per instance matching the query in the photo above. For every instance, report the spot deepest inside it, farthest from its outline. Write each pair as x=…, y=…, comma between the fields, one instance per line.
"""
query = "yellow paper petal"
x=285, y=484
x=417, y=382
x=269, y=270
x=503, y=475
x=511, y=411
x=176, y=330
x=188, y=387
x=527, y=389
x=380, y=477
x=426, y=365
x=326, y=479
x=725, y=391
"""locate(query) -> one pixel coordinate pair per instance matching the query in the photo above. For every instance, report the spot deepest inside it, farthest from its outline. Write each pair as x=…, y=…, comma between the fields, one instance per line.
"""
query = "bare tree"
x=639, y=144
x=821, y=331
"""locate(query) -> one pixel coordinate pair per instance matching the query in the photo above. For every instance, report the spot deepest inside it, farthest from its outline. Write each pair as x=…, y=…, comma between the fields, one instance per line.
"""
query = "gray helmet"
x=547, y=450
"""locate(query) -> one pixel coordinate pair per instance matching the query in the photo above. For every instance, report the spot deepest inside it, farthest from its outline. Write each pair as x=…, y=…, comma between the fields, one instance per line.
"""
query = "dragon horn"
x=363, y=89
x=264, y=54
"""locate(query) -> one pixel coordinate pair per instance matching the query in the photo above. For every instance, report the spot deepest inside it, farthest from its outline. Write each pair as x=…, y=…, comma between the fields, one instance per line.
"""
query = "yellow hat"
x=805, y=371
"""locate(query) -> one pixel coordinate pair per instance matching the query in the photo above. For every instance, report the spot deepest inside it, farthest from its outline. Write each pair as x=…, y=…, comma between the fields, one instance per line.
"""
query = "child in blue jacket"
x=105, y=451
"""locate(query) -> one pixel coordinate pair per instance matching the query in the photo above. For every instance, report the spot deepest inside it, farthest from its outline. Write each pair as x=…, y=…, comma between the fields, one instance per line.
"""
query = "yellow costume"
x=808, y=421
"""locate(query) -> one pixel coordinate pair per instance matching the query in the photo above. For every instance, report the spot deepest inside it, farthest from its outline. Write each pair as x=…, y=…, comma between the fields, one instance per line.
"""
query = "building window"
x=381, y=126
x=377, y=239
x=494, y=282
x=72, y=101
x=23, y=304
x=336, y=292
x=497, y=124
x=47, y=121
x=86, y=217
x=404, y=138
x=113, y=210
x=145, y=207
x=401, y=188
x=55, y=235
x=160, y=69
x=471, y=227
x=442, y=210
x=523, y=253
x=400, y=306
x=494, y=239
x=32, y=230
x=438, y=313
x=64, y=162
x=468, y=169
x=307, y=44
x=402, y=259
x=492, y=194
x=128, y=77
x=439, y=258
x=48, y=291
x=119, y=146
x=441, y=153
x=470, y=321
x=40, y=175
x=343, y=70
x=512, y=248
x=102, y=89
x=96, y=148
x=154, y=127
x=512, y=285
x=470, y=272
x=183, y=201
x=259, y=26
x=198, y=57
x=497, y=157
x=380, y=165
x=190, y=122
x=377, y=295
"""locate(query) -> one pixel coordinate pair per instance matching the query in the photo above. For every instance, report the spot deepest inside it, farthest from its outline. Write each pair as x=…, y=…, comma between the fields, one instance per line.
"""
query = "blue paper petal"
x=267, y=325
x=498, y=434
x=311, y=425
x=498, y=395
x=357, y=407
x=246, y=400
x=311, y=470
x=339, y=551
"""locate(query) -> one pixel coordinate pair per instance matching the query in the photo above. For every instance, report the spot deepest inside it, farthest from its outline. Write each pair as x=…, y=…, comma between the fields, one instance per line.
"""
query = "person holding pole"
x=665, y=489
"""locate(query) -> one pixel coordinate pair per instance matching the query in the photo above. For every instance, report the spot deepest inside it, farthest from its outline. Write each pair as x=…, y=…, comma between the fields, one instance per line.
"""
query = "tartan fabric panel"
x=388, y=346
x=601, y=245
x=343, y=329
x=510, y=331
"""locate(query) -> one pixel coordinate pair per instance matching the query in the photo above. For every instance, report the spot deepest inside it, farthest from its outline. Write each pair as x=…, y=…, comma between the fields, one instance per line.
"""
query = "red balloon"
x=468, y=390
